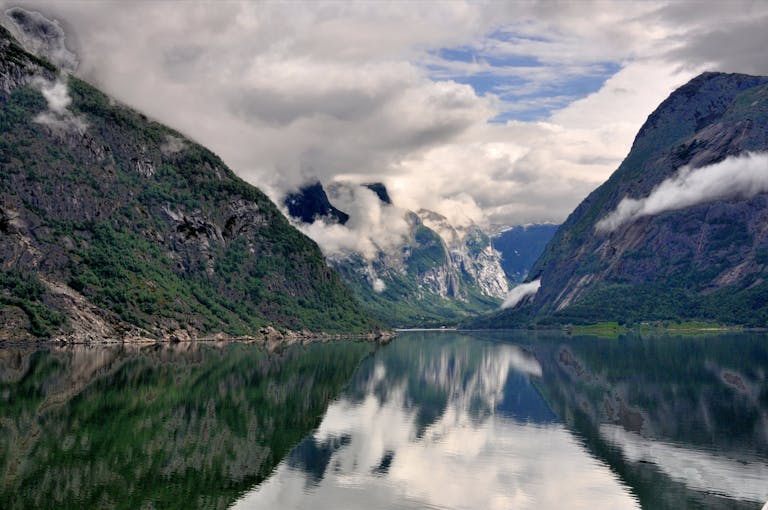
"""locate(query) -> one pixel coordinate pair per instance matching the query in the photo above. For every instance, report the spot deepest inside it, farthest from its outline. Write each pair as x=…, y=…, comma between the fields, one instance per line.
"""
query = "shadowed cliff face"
x=112, y=224
x=162, y=427
x=706, y=260
x=311, y=203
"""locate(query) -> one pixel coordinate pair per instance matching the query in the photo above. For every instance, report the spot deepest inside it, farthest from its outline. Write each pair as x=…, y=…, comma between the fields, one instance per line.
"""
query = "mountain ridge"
x=672, y=265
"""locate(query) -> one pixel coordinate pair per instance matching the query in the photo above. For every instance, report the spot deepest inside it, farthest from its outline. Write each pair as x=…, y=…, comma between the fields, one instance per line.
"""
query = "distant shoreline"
x=405, y=330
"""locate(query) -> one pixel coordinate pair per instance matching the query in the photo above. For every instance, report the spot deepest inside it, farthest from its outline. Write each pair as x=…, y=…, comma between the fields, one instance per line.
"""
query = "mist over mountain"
x=678, y=231
x=433, y=274
x=113, y=225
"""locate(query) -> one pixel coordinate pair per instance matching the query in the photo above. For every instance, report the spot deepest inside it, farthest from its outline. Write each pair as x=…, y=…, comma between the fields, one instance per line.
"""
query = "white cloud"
x=372, y=225
x=57, y=116
x=736, y=176
x=287, y=92
x=56, y=95
x=700, y=470
x=519, y=292
x=42, y=36
x=378, y=285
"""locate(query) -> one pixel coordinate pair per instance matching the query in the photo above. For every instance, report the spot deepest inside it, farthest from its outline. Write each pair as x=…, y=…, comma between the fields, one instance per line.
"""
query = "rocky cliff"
x=439, y=273
x=112, y=224
x=678, y=232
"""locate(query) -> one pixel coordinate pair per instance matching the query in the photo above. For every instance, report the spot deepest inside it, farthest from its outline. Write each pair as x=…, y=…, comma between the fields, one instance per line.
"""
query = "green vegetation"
x=164, y=239
x=159, y=428
x=25, y=291
x=616, y=329
x=633, y=305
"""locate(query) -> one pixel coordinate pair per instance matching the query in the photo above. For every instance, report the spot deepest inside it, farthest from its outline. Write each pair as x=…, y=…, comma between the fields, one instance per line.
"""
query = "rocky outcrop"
x=18, y=68
x=470, y=255
x=437, y=274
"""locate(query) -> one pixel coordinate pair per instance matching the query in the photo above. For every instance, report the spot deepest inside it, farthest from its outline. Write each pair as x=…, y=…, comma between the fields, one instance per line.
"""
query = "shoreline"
x=269, y=337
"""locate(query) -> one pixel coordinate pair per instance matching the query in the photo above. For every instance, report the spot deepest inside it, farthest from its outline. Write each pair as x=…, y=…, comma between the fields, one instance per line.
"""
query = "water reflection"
x=448, y=421
x=682, y=420
x=530, y=420
x=432, y=420
x=183, y=426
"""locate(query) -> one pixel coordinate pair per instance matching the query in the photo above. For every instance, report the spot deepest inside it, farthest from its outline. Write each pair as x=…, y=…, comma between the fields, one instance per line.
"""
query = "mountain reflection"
x=183, y=426
x=432, y=420
x=444, y=421
x=527, y=420
x=682, y=420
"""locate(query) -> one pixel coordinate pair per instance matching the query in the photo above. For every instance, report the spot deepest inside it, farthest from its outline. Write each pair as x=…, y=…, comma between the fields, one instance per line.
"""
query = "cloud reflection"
x=468, y=456
x=697, y=469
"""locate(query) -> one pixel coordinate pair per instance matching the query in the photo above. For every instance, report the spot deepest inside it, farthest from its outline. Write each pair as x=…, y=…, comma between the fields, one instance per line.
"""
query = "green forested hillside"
x=111, y=222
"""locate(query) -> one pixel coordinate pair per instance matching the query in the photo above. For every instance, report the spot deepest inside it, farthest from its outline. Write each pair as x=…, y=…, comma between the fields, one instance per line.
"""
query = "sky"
x=494, y=113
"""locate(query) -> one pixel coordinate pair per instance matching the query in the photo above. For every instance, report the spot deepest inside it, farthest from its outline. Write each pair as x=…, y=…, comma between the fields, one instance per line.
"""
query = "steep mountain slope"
x=112, y=224
x=429, y=281
x=702, y=255
x=438, y=275
x=520, y=247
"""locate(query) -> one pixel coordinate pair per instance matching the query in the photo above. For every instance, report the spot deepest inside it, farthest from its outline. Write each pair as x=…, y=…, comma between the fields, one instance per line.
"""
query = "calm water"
x=432, y=420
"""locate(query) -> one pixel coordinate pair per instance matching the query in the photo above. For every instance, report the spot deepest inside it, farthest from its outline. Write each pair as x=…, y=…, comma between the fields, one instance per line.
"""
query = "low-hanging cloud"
x=58, y=116
x=43, y=37
x=737, y=176
x=372, y=227
x=56, y=94
x=518, y=293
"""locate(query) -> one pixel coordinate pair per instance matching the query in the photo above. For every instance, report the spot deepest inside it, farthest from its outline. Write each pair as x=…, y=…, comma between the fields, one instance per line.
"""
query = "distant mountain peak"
x=311, y=203
x=381, y=191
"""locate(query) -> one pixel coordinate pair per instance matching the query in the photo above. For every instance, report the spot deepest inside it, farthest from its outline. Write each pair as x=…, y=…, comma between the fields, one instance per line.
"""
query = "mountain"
x=678, y=231
x=311, y=203
x=381, y=191
x=439, y=275
x=112, y=225
x=520, y=246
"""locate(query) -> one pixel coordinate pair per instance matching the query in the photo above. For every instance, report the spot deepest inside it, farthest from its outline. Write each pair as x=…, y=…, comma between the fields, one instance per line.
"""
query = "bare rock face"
x=704, y=261
x=17, y=68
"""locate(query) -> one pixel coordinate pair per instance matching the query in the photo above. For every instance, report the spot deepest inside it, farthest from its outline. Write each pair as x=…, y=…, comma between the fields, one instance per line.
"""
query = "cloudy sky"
x=496, y=112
